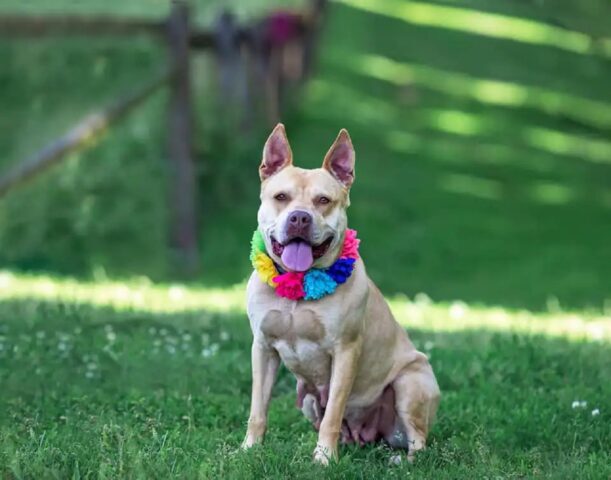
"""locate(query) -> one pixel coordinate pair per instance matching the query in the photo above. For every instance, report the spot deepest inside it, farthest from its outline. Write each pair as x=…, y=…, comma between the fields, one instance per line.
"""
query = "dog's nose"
x=298, y=224
x=300, y=219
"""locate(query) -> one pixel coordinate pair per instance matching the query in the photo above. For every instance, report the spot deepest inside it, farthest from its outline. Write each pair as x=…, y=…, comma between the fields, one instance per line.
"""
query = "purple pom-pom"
x=341, y=270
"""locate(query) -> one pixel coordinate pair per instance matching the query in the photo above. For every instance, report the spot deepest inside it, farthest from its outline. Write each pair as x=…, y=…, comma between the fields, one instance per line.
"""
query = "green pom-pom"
x=257, y=244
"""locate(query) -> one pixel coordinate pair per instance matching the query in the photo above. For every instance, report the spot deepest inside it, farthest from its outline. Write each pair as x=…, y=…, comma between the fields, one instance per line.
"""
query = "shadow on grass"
x=130, y=392
x=489, y=202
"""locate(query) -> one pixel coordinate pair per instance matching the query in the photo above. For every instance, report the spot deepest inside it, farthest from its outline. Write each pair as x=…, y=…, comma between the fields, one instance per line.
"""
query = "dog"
x=359, y=377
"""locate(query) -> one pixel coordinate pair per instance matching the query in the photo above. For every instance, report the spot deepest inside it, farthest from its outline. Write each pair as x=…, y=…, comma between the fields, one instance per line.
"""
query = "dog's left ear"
x=339, y=160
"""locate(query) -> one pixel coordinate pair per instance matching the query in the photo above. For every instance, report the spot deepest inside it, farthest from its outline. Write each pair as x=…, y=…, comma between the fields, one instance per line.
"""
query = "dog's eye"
x=324, y=200
x=281, y=197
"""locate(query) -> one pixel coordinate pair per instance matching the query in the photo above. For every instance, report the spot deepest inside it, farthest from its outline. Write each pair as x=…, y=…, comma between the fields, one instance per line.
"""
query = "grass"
x=110, y=379
x=481, y=197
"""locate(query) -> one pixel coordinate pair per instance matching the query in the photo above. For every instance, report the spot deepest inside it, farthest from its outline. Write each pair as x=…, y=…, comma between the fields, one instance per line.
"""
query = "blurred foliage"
x=102, y=204
x=482, y=159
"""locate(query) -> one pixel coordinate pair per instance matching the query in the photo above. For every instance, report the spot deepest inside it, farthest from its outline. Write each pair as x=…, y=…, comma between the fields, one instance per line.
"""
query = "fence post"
x=183, y=185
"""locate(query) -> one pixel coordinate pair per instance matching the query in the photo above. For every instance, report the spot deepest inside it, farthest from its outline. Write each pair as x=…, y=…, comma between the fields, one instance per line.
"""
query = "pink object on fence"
x=280, y=27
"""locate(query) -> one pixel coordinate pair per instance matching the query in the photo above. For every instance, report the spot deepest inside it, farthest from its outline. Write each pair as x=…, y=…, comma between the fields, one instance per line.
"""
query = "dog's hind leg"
x=416, y=400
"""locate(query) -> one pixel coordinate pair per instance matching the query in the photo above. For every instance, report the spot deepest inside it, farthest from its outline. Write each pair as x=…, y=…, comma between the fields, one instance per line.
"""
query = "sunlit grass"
x=369, y=109
x=471, y=185
x=481, y=23
x=139, y=294
x=552, y=141
x=487, y=91
x=552, y=193
x=451, y=149
x=419, y=312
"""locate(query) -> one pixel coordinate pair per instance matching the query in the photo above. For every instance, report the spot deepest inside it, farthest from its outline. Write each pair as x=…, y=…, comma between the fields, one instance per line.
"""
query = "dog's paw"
x=323, y=455
x=250, y=441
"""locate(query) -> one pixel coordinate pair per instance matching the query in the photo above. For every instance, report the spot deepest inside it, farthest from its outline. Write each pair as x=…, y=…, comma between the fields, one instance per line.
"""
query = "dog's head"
x=303, y=212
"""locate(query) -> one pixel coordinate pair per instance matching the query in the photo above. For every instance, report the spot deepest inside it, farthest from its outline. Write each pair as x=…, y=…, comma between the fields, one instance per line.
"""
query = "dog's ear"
x=339, y=160
x=277, y=153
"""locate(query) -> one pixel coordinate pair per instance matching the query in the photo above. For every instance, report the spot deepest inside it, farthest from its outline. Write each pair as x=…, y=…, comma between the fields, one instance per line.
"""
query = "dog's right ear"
x=277, y=153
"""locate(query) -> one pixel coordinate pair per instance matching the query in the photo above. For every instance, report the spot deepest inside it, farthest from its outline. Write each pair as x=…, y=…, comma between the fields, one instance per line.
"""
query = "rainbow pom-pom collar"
x=311, y=285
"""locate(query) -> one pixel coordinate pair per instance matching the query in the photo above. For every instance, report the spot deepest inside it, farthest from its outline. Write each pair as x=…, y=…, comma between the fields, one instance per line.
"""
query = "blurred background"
x=131, y=134
x=481, y=130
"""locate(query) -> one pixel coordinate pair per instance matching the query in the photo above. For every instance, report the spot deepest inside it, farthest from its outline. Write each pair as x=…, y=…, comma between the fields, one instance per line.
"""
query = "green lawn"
x=482, y=198
x=114, y=380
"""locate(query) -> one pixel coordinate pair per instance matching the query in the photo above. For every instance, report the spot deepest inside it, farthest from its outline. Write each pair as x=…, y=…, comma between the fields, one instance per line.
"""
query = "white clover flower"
x=575, y=404
x=163, y=332
x=595, y=412
x=428, y=345
x=89, y=374
x=111, y=336
x=224, y=336
x=152, y=330
x=186, y=337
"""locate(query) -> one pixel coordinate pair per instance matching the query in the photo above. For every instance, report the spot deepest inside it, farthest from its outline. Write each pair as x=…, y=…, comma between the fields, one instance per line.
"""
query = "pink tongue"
x=297, y=256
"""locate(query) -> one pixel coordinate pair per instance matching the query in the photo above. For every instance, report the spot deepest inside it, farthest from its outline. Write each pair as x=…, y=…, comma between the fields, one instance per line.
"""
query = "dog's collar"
x=311, y=285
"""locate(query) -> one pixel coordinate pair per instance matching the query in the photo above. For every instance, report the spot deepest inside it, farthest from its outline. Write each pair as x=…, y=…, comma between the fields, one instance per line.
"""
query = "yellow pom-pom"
x=265, y=268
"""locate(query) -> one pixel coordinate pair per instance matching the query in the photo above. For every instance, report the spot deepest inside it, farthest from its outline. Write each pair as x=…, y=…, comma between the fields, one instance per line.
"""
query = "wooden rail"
x=81, y=135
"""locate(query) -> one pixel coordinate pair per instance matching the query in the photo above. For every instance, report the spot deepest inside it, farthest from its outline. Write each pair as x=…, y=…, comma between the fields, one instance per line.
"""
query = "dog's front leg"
x=345, y=360
x=265, y=362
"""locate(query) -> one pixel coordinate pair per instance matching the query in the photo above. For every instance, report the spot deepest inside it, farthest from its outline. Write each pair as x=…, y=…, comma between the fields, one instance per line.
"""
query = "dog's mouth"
x=298, y=254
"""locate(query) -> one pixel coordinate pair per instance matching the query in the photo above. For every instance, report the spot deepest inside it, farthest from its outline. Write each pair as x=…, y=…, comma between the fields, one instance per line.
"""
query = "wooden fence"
x=267, y=41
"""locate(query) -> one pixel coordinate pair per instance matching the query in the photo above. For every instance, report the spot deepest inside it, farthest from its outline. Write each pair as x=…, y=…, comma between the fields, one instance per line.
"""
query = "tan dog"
x=358, y=374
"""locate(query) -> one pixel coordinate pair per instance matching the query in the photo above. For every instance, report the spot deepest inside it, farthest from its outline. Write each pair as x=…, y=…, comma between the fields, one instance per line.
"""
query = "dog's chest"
x=300, y=337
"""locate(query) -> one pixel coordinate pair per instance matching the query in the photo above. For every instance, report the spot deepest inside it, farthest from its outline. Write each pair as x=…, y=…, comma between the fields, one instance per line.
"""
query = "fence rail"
x=80, y=136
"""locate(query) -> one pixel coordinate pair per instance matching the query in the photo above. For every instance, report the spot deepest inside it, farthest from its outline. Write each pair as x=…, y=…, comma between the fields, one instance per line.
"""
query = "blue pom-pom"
x=341, y=270
x=317, y=284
